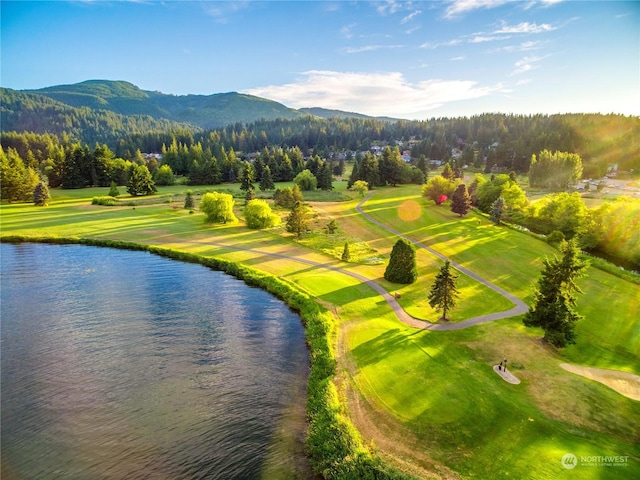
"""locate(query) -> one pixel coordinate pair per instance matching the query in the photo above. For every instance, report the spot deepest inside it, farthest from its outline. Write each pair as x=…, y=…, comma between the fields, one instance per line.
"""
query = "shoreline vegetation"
x=335, y=447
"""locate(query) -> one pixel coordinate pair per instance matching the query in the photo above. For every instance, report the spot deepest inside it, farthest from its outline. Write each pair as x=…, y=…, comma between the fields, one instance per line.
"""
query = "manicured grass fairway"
x=436, y=389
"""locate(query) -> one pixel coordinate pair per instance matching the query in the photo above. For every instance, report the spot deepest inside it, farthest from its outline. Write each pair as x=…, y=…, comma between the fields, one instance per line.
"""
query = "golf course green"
x=427, y=402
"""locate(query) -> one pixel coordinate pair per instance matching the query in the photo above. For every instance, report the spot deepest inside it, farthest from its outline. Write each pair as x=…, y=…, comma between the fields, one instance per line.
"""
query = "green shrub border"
x=334, y=446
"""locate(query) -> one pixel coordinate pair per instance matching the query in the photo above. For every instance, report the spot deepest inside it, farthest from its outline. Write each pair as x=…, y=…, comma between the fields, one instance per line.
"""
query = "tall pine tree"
x=461, y=200
x=555, y=299
x=443, y=294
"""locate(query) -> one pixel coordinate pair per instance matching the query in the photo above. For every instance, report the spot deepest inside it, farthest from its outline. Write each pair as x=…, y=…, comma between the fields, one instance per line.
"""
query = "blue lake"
x=121, y=364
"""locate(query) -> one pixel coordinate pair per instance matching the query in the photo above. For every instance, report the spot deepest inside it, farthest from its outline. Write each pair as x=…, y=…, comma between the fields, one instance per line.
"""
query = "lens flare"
x=409, y=210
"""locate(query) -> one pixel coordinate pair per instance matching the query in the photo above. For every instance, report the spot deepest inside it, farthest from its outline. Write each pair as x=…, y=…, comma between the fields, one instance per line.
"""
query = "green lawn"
x=437, y=389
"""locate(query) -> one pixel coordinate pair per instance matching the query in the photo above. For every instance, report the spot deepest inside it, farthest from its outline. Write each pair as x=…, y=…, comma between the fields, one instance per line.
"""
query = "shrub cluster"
x=105, y=200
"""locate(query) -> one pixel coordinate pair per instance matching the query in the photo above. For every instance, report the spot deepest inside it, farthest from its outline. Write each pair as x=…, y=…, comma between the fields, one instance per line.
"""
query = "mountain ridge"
x=203, y=111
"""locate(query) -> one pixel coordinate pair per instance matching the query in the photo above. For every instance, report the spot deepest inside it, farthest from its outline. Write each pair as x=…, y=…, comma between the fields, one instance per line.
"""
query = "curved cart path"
x=519, y=308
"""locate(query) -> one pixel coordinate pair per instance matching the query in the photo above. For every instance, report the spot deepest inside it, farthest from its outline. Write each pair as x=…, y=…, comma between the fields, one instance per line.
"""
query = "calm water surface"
x=120, y=364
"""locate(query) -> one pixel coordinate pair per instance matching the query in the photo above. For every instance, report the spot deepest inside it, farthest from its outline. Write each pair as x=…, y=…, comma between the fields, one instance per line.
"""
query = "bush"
x=218, y=207
x=106, y=201
x=164, y=175
x=258, y=214
x=306, y=180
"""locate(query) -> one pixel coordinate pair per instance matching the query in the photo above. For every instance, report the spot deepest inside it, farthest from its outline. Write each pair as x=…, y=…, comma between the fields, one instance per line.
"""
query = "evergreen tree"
x=140, y=181
x=443, y=294
x=346, y=256
x=497, y=211
x=297, y=220
x=447, y=172
x=391, y=166
x=188, y=200
x=461, y=201
x=266, y=180
x=325, y=177
x=246, y=180
x=555, y=300
x=402, y=263
x=41, y=194
x=113, y=189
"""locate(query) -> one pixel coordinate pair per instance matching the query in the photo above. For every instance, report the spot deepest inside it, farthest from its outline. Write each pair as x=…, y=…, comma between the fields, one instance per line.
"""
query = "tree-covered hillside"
x=28, y=112
x=205, y=111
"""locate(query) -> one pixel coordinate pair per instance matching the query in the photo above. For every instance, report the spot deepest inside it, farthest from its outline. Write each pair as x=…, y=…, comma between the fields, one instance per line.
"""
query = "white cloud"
x=370, y=48
x=389, y=7
x=458, y=7
x=387, y=93
x=456, y=59
x=347, y=30
x=434, y=45
x=526, y=64
x=522, y=47
x=525, y=27
x=411, y=16
x=484, y=38
x=221, y=11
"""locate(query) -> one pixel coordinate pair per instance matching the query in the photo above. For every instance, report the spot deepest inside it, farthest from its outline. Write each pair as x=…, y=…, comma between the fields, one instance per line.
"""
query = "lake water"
x=121, y=364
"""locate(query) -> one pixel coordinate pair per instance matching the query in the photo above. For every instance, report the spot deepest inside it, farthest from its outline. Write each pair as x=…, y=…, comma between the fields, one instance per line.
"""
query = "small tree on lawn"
x=443, y=294
x=346, y=256
x=41, y=194
x=247, y=178
x=438, y=189
x=258, y=214
x=188, y=200
x=555, y=300
x=140, y=181
x=113, y=189
x=497, y=211
x=218, y=207
x=332, y=227
x=461, y=200
x=402, y=264
x=361, y=187
x=297, y=219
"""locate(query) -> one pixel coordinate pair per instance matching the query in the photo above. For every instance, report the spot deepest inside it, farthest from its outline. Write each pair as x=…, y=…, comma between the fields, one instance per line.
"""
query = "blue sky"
x=414, y=60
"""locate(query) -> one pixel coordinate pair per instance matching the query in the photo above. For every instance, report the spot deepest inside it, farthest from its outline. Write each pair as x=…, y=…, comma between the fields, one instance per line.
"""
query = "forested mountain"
x=205, y=111
x=29, y=112
x=329, y=113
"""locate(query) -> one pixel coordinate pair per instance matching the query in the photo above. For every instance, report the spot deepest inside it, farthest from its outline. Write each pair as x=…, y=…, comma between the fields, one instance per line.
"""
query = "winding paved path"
x=519, y=308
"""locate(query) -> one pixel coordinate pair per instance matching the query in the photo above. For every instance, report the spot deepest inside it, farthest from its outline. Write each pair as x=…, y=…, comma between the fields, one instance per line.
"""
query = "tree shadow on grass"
x=378, y=348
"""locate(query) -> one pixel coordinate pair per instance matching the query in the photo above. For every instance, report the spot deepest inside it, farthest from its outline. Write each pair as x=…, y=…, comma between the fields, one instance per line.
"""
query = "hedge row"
x=335, y=448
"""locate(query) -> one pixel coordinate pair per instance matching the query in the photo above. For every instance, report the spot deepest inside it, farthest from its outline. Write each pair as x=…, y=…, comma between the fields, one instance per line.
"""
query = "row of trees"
x=612, y=228
x=389, y=169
